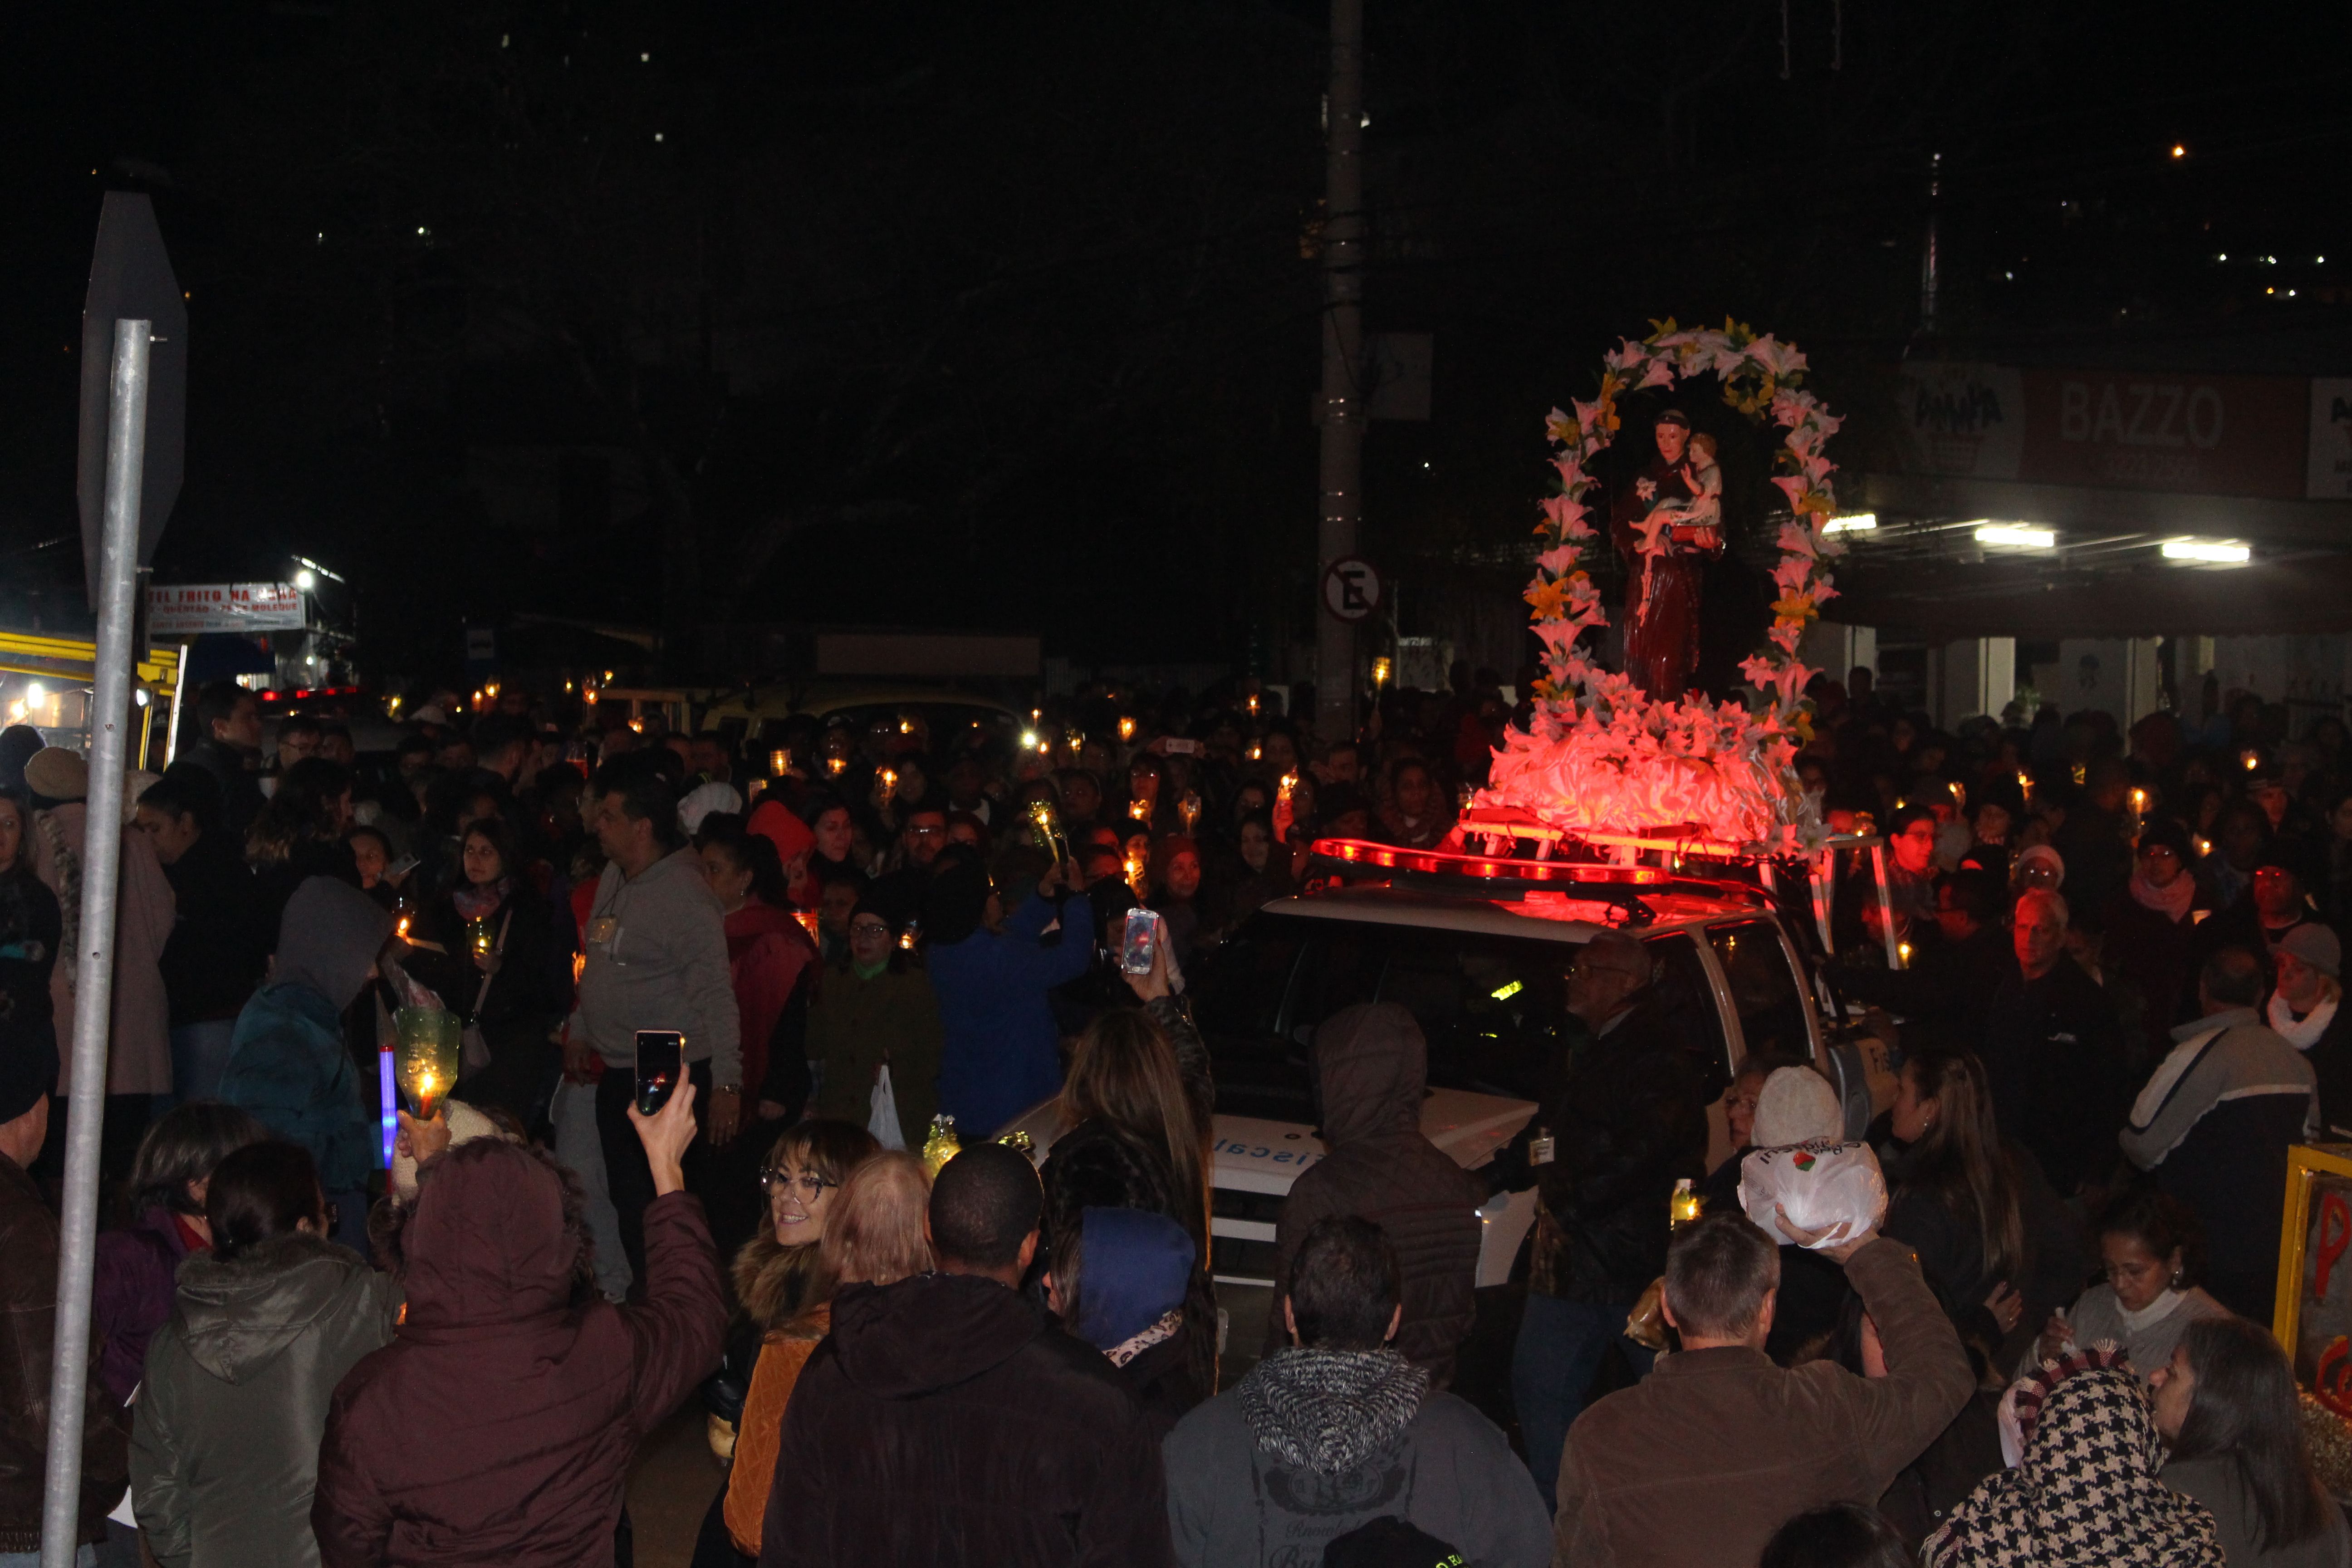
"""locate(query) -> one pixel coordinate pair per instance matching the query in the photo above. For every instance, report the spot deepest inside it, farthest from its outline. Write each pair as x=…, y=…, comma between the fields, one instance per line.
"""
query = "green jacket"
x=225, y=1435
x=854, y=1025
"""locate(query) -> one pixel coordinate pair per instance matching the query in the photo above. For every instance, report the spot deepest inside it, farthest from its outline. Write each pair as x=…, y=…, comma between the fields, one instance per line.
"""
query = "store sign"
x=1965, y=420
x=192, y=609
x=2330, y=475
x=2155, y=430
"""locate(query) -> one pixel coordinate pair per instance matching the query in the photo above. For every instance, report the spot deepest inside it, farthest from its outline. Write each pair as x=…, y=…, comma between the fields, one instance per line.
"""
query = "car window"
x=1764, y=988
x=1686, y=1000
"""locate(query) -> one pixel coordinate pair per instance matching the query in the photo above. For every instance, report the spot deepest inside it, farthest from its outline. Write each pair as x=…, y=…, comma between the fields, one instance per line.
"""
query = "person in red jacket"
x=499, y=1425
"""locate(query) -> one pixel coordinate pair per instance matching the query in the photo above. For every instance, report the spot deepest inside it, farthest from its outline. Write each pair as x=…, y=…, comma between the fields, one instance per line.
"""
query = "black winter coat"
x=2055, y=1052
x=1629, y=1120
x=946, y=1422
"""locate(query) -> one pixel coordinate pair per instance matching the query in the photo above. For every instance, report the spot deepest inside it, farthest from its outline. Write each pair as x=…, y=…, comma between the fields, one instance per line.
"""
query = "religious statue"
x=1666, y=524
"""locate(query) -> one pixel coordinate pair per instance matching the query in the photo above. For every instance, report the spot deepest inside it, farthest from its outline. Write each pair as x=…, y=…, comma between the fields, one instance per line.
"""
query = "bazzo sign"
x=193, y=610
x=2209, y=435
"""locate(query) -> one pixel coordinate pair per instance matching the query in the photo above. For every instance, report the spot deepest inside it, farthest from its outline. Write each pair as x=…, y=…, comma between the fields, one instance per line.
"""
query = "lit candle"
x=1125, y=729
x=1253, y=704
x=1903, y=955
x=837, y=765
x=780, y=762
x=1139, y=809
x=1380, y=673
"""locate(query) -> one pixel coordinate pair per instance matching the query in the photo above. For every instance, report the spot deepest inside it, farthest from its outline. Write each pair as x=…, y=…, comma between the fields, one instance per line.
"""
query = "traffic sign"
x=1351, y=589
x=131, y=279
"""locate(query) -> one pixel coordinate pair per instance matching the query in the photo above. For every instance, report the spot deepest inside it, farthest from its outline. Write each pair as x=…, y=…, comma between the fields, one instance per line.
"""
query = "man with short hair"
x=1696, y=1466
x=1945, y=993
x=920, y=839
x=655, y=943
x=1337, y=1429
x=1627, y=1115
x=2213, y=1123
x=2053, y=1051
x=298, y=736
x=501, y=746
x=227, y=745
x=945, y=1419
x=709, y=759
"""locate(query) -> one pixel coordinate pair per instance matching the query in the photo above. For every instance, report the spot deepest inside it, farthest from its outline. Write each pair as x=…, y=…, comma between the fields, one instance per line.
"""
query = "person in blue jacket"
x=1001, y=1049
x=287, y=1063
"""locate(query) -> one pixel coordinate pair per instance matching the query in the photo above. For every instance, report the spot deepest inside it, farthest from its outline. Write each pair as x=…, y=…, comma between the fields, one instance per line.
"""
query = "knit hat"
x=704, y=800
x=2043, y=852
x=55, y=773
x=2315, y=945
x=1135, y=1267
x=28, y=1069
x=1797, y=1106
x=2163, y=830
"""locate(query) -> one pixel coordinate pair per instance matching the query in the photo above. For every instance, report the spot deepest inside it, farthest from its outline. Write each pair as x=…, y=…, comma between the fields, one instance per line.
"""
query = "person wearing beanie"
x=287, y=1062
x=29, y=1295
x=1001, y=1050
x=2306, y=1010
x=2277, y=900
x=876, y=1018
x=1121, y=1289
x=139, y=1046
x=2151, y=925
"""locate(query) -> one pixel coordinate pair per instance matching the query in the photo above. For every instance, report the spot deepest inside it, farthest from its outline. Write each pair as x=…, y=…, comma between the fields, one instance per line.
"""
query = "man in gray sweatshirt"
x=656, y=959
x=1323, y=1439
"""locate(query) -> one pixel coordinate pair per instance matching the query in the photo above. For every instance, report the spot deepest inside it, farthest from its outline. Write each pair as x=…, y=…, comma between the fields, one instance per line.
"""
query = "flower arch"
x=1599, y=754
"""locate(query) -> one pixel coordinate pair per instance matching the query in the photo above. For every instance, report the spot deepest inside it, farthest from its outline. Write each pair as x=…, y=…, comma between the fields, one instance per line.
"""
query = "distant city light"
x=2178, y=151
x=1853, y=522
x=2016, y=533
x=2219, y=551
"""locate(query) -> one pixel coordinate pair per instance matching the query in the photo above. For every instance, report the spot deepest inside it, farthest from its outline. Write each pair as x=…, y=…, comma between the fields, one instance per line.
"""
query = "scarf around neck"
x=2304, y=1034
x=2171, y=902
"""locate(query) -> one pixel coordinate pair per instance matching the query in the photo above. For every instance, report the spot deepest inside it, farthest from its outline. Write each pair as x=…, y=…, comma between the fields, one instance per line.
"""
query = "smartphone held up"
x=1140, y=943
x=661, y=1067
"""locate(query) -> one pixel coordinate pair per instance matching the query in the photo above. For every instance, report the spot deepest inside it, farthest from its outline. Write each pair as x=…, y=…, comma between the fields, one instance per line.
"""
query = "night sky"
x=1006, y=316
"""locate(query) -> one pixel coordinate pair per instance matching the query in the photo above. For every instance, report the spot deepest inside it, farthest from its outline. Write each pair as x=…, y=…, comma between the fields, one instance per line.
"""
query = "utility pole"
x=1930, y=263
x=1343, y=364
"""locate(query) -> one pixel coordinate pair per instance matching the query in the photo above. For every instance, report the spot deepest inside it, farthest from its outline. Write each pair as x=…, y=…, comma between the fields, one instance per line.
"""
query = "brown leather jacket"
x=28, y=1309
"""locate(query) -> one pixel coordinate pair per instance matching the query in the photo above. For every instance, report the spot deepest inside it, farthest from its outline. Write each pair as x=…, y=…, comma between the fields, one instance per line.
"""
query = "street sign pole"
x=126, y=451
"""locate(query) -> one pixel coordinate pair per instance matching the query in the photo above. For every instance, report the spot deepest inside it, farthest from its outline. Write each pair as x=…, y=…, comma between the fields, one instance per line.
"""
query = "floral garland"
x=1600, y=755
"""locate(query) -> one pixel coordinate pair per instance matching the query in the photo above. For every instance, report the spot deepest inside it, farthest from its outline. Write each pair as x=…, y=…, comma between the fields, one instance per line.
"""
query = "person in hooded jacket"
x=287, y=1064
x=1337, y=1429
x=946, y=1421
x=1372, y=1064
x=499, y=1424
x=1001, y=1050
x=225, y=1435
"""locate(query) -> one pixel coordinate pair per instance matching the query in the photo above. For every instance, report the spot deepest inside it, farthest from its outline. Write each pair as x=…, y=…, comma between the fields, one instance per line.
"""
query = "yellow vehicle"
x=46, y=681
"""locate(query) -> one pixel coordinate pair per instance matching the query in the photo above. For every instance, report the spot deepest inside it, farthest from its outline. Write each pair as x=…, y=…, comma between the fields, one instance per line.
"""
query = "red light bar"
x=270, y=696
x=1389, y=858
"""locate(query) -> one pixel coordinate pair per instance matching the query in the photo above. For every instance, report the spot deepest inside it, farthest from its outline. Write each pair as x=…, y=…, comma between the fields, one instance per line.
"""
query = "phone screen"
x=1143, y=938
x=661, y=1063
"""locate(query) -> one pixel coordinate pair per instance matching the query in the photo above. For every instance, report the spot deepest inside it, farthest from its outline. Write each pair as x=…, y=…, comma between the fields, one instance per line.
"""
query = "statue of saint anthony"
x=1667, y=524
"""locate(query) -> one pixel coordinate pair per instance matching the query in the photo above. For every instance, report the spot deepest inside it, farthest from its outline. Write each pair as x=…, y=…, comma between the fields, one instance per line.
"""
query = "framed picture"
x=2313, y=1321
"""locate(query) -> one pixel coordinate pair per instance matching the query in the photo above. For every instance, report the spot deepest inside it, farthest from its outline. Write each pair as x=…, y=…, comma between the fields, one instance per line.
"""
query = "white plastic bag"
x=882, y=1112
x=1824, y=1186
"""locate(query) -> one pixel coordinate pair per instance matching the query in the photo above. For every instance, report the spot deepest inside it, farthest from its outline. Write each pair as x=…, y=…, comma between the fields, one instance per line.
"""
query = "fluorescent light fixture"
x=1853, y=522
x=2017, y=534
x=2218, y=552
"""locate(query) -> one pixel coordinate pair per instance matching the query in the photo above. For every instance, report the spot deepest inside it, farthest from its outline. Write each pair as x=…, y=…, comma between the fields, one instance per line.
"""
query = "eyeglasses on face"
x=808, y=1185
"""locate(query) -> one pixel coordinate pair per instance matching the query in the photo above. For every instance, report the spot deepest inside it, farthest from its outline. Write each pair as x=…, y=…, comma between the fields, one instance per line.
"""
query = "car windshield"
x=1492, y=1007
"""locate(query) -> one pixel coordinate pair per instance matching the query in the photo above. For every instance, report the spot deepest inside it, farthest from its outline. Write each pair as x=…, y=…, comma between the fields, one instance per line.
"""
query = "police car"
x=1478, y=947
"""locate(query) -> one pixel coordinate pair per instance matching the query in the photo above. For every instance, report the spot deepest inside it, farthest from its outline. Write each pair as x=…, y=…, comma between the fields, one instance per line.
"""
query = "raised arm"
x=681, y=1327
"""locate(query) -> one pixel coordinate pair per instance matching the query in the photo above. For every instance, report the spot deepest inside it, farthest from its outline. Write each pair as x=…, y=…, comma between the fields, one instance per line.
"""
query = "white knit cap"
x=1798, y=1106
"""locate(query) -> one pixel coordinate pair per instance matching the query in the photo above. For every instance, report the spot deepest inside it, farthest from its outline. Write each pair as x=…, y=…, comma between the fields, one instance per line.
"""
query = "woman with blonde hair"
x=873, y=1236
x=1136, y=1109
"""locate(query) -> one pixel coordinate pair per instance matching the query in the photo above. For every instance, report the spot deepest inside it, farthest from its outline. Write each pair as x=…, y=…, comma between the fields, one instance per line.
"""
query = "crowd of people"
x=2105, y=969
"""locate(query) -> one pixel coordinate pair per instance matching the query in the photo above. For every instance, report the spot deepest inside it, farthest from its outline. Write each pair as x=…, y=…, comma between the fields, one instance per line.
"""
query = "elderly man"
x=2053, y=1049
x=1698, y=1465
x=1627, y=1119
x=2213, y=1123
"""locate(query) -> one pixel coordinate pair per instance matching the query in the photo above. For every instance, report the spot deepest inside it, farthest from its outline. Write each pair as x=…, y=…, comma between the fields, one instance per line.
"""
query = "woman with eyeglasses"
x=2150, y=1248
x=871, y=1219
x=875, y=1036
